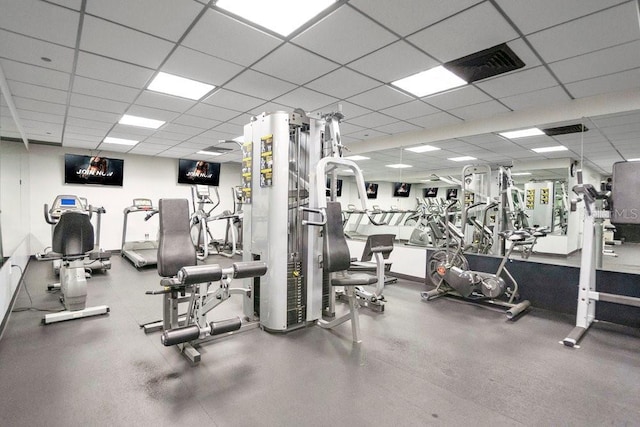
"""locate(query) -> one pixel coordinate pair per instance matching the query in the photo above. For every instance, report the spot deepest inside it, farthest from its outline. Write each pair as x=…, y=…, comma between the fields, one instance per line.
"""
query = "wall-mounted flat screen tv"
x=79, y=169
x=198, y=172
x=401, y=189
x=338, y=185
x=372, y=190
x=452, y=193
x=430, y=192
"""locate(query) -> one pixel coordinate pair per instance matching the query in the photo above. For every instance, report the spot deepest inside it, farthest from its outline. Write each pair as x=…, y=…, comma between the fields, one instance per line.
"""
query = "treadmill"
x=141, y=252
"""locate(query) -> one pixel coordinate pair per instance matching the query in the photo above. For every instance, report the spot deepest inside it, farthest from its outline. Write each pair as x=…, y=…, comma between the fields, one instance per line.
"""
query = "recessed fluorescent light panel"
x=520, y=173
x=428, y=82
x=423, y=148
x=140, y=122
x=399, y=166
x=280, y=16
x=179, y=86
x=357, y=157
x=119, y=141
x=634, y=160
x=462, y=159
x=523, y=133
x=209, y=153
x=550, y=149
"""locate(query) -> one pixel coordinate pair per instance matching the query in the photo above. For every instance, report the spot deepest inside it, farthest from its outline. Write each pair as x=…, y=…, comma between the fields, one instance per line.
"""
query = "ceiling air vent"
x=563, y=130
x=486, y=63
x=217, y=148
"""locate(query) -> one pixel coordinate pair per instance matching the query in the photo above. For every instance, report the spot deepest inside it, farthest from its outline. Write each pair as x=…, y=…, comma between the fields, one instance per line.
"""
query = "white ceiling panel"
x=434, y=120
x=611, y=83
x=152, y=113
x=118, y=42
x=221, y=36
x=105, y=90
x=87, y=123
x=346, y=128
x=479, y=111
x=198, y=66
x=397, y=127
x=306, y=99
x=343, y=83
x=473, y=30
x=285, y=63
x=114, y=148
x=89, y=133
x=268, y=107
x=147, y=149
x=37, y=116
x=109, y=70
x=25, y=90
x=372, y=120
x=166, y=102
x=31, y=51
x=230, y=129
x=380, y=98
x=95, y=103
x=233, y=100
x=409, y=110
x=456, y=98
x=198, y=122
x=261, y=85
x=78, y=143
x=212, y=112
x=187, y=131
x=366, y=134
x=161, y=141
x=407, y=16
x=587, y=34
x=33, y=18
x=339, y=36
x=168, y=19
x=393, y=62
x=518, y=82
x=100, y=116
x=139, y=132
x=40, y=106
x=71, y=4
x=539, y=98
x=35, y=75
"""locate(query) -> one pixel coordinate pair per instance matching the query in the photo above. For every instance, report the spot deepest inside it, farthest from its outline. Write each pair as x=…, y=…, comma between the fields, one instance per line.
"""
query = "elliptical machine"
x=448, y=270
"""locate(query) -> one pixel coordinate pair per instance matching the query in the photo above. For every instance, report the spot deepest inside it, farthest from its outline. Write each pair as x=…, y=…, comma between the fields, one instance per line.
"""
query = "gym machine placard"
x=247, y=148
x=266, y=161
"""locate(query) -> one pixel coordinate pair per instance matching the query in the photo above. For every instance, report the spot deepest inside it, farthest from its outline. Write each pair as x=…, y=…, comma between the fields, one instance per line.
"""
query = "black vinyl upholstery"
x=73, y=235
x=382, y=243
x=175, y=248
x=335, y=252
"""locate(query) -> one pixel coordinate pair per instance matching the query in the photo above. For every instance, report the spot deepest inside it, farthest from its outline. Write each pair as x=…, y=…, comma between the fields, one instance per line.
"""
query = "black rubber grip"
x=382, y=249
x=200, y=274
x=224, y=326
x=180, y=335
x=249, y=269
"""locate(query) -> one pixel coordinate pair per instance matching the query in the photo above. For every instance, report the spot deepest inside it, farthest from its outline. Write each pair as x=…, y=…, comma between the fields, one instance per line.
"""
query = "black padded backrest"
x=377, y=241
x=73, y=234
x=335, y=252
x=175, y=248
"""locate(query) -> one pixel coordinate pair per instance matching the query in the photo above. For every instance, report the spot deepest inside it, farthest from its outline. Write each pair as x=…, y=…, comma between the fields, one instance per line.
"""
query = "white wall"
x=144, y=177
x=14, y=195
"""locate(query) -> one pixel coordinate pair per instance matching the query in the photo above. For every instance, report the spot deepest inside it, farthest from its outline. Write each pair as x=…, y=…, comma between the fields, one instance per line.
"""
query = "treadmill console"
x=143, y=204
x=65, y=203
x=202, y=191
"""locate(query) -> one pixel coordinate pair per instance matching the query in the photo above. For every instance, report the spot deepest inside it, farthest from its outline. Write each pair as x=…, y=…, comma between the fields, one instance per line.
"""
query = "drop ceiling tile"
x=100, y=116
x=31, y=51
x=118, y=42
x=168, y=19
x=410, y=110
x=187, y=131
x=114, y=148
x=176, y=152
x=306, y=99
x=534, y=16
x=25, y=90
x=602, y=62
x=367, y=134
x=397, y=127
x=434, y=120
x=109, y=70
x=615, y=119
x=349, y=110
x=223, y=37
x=34, y=18
x=518, y=82
x=79, y=143
x=372, y=120
x=407, y=16
x=379, y=98
x=473, y=30
x=339, y=36
x=587, y=34
x=456, y=98
x=342, y=83
x=166, y=102
x=261, y=85
x=77, y=131
x=95, y=103
x=538, y=98
x=611, y=83
x=268, y=107
x=393, y=62
x=35, y=75
x=212, y=112
x=233, y=100
x=40, y=106
x=38, y=116
x=198, y=66
x=198, y=122
x=230, y=129
x=147, y=149
x=105, y=90
x=243, y=119
x=87, y=123
x=479, y=111
x=347, y=128
x=160, y=141
x=139, y=132
x=72, y=4
x=152, y=113
x=294, y=64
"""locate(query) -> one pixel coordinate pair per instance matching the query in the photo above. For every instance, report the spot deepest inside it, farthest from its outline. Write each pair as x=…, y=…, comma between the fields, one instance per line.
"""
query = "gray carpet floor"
x=442, y=362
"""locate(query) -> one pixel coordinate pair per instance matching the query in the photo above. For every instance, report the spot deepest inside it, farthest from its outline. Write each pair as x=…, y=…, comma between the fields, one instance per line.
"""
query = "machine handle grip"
x=47, y=217
x=320, y=212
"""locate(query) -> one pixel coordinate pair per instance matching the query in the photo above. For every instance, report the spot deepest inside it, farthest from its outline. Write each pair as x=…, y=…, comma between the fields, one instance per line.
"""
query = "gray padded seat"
x=175, y=248
x=73, y=235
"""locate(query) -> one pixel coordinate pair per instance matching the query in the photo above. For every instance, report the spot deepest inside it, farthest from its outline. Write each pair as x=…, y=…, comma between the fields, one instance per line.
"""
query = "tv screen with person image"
x=401, y=189
x=198, y=172
x=372, y=190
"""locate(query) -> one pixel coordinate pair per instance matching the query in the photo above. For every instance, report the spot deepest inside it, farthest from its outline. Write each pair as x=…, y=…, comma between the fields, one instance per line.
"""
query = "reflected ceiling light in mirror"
x=119, y=141
x=428, y=82
x=357, y=157
x=179, y=86
x=522, y=133
x=550, y=149
x=399, y=166
x=520, y=173
x=423, y=148
x=634, y=160
x=462, y=159
x=280, y=16
x=209, y=153
x=142, y=122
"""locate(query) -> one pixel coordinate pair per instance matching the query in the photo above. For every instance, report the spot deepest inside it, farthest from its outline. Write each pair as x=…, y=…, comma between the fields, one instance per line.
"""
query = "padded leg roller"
x=243, y=270
x=224, y=326
x=180, y=335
